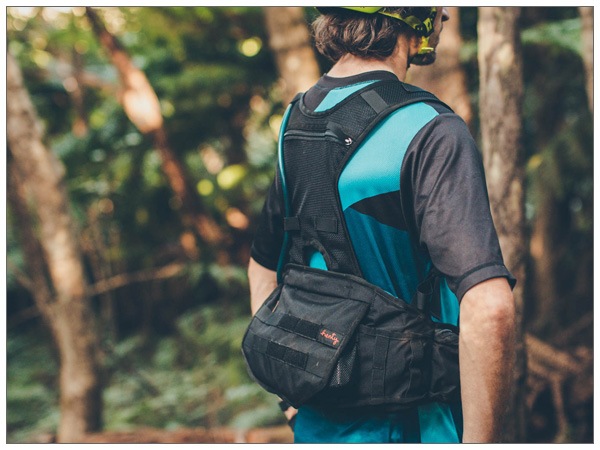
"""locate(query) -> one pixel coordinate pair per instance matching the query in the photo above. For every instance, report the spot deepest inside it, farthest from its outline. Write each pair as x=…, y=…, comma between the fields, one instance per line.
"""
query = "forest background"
x=141, y=143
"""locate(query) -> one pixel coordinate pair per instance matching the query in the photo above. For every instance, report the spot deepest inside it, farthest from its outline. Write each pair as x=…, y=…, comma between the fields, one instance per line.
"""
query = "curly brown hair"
x=339, y=31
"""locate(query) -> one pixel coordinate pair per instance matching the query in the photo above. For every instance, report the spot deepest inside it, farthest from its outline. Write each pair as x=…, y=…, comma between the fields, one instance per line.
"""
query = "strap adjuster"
x=318, y=223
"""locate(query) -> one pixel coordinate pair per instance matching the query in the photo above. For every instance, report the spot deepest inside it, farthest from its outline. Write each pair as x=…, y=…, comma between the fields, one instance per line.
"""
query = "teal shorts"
x=433, y=423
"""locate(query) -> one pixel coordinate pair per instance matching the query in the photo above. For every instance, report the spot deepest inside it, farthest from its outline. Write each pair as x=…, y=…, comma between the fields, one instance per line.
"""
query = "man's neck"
x=349, y=65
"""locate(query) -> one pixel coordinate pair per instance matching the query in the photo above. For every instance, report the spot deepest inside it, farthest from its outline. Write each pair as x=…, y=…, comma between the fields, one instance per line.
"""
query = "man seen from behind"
x=413, y=200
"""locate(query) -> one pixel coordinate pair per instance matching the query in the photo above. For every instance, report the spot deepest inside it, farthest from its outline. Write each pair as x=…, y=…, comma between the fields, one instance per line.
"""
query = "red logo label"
x=330, y=336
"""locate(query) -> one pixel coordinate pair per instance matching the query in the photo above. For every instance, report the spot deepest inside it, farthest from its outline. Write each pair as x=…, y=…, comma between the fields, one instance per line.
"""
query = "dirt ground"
x=281, y=435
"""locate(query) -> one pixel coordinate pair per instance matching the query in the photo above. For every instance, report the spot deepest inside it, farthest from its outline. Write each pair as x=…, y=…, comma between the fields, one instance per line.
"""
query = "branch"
x=21, y=278
x=548, y=356
x=142, y=107
x=23, y=316
x=100, y=287
x=574, y=330
x=124, y=279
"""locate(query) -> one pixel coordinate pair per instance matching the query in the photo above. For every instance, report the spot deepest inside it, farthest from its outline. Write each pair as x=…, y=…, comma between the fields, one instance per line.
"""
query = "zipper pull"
x=338, y=131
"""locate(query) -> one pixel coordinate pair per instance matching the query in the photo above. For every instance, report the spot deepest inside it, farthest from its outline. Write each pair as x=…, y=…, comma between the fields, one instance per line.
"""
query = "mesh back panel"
x=313, y=161
x=312, y=189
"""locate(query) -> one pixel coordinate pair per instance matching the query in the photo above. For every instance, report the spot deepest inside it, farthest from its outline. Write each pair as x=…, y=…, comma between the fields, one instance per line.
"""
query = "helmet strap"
x=424, y=57
x=425, y=48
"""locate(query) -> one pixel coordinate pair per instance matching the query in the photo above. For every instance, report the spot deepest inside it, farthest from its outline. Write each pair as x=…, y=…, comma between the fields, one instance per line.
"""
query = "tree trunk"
x=587, y=38
x=547, y=248
x=501, y=92
x=37, y=282
x=446, y=78
x=69, y=310
x=143, y=109
x=289, y=39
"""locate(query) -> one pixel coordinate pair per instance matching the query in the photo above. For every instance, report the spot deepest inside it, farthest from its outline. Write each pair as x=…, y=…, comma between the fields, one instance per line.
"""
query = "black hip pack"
x=329, y=337
x=335, y=340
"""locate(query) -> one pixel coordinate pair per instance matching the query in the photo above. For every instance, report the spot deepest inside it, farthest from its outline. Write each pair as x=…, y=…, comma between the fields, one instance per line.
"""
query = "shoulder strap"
x=284, y=122
x=374, y=103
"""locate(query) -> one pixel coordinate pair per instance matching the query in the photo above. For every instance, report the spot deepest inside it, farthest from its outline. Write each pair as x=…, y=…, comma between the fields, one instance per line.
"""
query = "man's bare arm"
x=486, y=354
x=262, y=282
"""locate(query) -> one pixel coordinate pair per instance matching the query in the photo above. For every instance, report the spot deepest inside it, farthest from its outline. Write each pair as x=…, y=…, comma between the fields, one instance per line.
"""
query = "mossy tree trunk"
x=501, y=93
x=587, y=40
x=38, y=184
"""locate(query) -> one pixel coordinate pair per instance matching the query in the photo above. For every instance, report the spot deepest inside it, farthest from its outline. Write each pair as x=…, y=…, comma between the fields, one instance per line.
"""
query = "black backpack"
x=329, y=337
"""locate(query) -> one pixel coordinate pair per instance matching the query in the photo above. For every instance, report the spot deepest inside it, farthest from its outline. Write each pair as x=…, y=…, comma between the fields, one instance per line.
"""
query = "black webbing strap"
x=417, y=349
x=427, y=296
x=318, y=223
x=412, y=94
x=375, y=101
x=380, y=353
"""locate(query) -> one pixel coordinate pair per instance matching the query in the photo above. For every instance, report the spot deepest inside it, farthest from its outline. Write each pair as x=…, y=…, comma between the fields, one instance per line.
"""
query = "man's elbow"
x=501, y=311
x=489, y=305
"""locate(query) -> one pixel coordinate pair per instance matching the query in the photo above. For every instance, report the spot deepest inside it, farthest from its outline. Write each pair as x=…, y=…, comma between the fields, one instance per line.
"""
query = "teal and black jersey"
x=413, y=197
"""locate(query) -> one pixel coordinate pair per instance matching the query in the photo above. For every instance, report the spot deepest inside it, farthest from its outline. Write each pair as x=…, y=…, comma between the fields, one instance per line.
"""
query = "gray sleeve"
x=446, y=204
x=268, y=239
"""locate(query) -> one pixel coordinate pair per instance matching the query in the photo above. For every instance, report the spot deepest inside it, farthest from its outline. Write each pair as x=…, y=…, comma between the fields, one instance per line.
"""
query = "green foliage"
x=196, y=377
x=32, y=397
x=557, y=127
x=565, y=34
